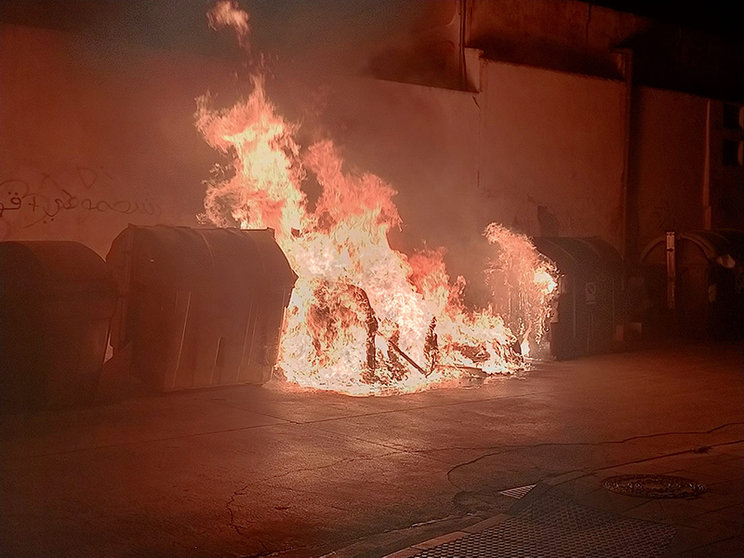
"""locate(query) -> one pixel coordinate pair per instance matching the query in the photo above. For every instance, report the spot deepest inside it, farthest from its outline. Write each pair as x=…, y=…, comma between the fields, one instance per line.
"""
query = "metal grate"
x=557, y=528
x=518, y=492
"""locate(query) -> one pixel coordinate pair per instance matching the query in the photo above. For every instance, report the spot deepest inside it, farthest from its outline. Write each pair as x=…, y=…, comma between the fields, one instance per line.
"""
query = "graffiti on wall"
x=40, y=199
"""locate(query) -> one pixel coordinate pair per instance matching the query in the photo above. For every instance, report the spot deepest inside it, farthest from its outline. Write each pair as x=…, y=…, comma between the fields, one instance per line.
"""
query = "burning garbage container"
x=695, y=281
x=589, y=289
x=56, y=303
x=199, y=307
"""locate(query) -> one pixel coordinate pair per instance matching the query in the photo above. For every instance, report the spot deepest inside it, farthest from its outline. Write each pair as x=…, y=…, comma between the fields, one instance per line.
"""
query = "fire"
x=363, y=318
x=227, y=13
x=522, y=283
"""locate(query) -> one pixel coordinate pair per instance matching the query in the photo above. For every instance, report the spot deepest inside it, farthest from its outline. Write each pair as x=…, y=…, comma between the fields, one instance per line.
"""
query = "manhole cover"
x=654, y=486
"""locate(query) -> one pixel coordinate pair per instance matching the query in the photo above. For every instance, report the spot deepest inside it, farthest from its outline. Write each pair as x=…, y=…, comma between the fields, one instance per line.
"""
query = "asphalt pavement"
x=277, y=471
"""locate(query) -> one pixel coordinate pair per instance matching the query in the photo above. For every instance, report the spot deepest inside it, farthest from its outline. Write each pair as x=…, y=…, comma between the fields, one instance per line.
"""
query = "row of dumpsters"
x=183, y=307
x=180, y=307
x=686, y=285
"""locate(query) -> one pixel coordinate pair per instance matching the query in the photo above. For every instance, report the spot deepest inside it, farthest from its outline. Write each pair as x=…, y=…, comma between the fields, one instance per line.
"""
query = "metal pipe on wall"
x=627, y=240
x=461, y=12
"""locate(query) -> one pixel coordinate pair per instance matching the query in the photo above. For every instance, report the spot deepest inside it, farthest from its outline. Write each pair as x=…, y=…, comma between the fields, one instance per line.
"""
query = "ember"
x=364, y=318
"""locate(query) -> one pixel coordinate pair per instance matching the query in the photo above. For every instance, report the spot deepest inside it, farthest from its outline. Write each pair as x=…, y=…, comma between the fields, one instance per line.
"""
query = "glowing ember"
x=364, y=318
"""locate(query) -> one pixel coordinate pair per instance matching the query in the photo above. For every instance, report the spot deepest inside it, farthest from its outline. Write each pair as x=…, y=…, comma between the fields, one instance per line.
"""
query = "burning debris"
x=363, y=318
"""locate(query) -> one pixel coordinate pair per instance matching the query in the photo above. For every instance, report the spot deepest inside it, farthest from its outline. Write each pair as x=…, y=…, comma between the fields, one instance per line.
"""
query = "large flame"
x=363, y=318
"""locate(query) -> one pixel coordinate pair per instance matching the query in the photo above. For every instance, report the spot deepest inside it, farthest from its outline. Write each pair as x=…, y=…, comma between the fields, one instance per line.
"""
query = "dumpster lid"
x=178, y=255
x=579, y=255
x=55, y=261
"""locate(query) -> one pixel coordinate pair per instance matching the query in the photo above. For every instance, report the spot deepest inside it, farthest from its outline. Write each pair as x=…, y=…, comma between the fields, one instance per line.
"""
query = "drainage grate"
x=518, y=492
x=654, y=486
x=557, y=528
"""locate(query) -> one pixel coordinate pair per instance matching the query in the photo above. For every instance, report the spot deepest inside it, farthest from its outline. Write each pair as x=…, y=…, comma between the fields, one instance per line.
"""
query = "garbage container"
x=695, y=281
x=56, y=303
x=199, y=307
x=589, y=290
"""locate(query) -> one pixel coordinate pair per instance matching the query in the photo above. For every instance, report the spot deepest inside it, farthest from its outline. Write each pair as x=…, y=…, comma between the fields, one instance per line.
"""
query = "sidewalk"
x=575, y=515
x=262, y=471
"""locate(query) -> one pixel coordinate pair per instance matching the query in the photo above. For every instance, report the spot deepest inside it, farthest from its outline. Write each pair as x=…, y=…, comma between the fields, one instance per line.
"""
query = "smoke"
x=227, y=13
x=318, y=58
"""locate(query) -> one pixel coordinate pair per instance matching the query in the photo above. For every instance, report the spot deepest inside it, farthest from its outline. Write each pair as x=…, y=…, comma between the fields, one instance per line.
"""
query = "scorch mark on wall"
x=38, y=198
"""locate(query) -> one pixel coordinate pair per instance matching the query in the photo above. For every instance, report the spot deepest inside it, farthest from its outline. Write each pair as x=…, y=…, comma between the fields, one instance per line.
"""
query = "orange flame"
x=363, y=318
x=522, y=283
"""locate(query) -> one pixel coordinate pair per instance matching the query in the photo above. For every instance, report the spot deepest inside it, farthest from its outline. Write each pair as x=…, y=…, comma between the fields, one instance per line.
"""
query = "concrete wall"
x=667, y=166
x=424, y=142
x=537, y=150
x=98, y=134
x=552, y=151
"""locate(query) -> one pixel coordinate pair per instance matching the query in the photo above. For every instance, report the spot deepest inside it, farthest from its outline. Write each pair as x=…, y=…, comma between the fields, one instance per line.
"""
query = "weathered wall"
x=98, y=134
x=538, y=151
x=423, y=141
x=551, y=150
x=667, y=164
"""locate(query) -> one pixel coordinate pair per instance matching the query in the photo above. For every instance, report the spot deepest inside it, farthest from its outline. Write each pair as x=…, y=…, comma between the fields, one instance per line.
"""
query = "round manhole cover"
x=654, y=486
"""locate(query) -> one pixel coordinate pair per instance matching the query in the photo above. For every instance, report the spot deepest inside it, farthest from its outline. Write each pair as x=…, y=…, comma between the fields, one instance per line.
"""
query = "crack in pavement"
x=345, y=417
x=509, y=448
x=304, y=491
x=243, y=491
x=328, y=465
x=343, y=436
x=501, y=449
x=415, y=408
x=284, y=422
x=239, y=530
x=682, y=452
x=232, y=523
